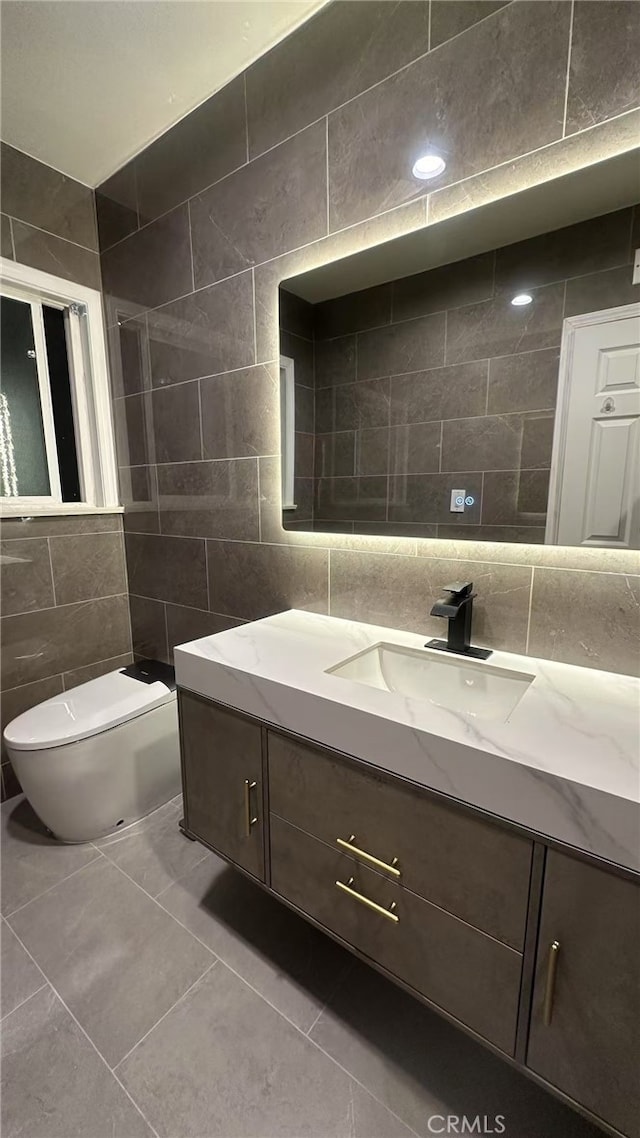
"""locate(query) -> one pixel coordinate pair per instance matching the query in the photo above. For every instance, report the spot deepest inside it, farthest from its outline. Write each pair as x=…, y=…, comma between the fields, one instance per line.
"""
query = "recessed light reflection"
x=521, y=299
x=428, y=166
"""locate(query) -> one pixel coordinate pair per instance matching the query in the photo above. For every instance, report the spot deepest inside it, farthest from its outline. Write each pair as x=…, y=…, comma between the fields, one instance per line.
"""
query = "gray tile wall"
x=467, y=390
x=65, y=616
x=48, y=219
x=63, y=580
x=314, y=167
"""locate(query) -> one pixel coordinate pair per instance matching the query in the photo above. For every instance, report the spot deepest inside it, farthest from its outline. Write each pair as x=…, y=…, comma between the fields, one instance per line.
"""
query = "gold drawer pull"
x=552, y=967
x=369, y=858
x=248, y=820
x=388, y=913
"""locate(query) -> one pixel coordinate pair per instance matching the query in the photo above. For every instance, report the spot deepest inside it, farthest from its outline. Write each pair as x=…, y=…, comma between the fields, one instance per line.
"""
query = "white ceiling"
x=86, y=84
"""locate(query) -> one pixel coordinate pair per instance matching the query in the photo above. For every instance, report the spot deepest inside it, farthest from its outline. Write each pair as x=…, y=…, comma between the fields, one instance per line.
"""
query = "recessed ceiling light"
x=429, y=166
x=521, y=299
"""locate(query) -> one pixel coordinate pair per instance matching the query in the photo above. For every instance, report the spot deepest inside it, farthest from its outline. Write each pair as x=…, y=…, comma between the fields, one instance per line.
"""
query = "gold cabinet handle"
x=552, y=968
x=388, y=913
x=369, y=858
x=248, y=820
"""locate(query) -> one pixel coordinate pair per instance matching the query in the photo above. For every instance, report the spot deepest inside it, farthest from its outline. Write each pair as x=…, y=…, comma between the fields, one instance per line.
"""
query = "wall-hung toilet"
x=99, y=756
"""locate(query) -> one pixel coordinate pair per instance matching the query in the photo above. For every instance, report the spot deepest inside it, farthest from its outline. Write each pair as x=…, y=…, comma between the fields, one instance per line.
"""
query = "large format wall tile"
x=479, y=116
x=335, y=361
x=139, y=496
x=44, y=197
x=450, y=286
x=44, y=643
x=399, y=591
x=129, y=357
x=427, y=497
x=240, y=413
x=16, y=700
x=208, y=332
x=604, y=78
x=176, y=423
x=601, y=243
x=524, y=382
x=314, y=71
x=54, y=255
x=197, y=151
x=148, y=628
x=153, y=265
x=407, y=346
x=352, y=406
x=251, y=581
x=496, y=328
x=601, y=290
x=492, y=442
x=133, y=426
x=449, y=18
x=90, y=565
x=210, y=499
x=440, y=393
x=167, y=568
x=117, y=206
x=26, y=580
x=6, y=240
x=275, y=203
x=186, y=624
x=355, y=312
x=586, y=618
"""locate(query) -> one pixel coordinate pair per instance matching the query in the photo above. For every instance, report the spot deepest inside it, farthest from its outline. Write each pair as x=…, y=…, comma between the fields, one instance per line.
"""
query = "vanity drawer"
x=466, y=973
x=474, y=869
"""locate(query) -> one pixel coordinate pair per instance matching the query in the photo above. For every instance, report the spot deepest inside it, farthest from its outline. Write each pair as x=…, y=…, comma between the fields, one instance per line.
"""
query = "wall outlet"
x=636, y=268
x=457, y=501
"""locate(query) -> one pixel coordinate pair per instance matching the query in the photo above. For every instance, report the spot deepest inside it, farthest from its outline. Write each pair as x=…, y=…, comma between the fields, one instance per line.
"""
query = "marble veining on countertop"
x=565, y=764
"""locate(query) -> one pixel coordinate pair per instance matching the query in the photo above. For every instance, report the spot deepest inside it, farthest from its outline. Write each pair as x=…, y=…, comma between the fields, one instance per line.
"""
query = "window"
x=56, y=440
x=288, y=429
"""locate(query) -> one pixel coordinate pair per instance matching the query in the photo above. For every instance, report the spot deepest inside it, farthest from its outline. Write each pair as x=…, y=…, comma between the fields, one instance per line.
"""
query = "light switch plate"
x=457, y=501
x=636, y=268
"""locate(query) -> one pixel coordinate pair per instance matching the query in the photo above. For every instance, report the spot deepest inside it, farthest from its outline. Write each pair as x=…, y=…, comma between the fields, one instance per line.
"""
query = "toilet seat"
x=86, y=710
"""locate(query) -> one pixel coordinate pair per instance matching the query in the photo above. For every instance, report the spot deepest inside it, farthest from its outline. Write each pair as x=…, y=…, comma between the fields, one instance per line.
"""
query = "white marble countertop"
x=565, y=764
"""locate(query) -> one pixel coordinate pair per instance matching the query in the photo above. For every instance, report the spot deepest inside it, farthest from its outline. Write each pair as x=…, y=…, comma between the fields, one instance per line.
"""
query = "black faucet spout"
x=457, y=608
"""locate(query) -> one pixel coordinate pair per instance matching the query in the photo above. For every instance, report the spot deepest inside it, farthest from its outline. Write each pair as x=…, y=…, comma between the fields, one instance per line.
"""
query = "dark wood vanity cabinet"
x=531, y=948
x=585, y=1024
x=221, y=755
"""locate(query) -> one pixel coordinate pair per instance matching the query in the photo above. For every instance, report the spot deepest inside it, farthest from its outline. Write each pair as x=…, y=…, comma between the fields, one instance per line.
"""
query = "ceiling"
x=86, y=84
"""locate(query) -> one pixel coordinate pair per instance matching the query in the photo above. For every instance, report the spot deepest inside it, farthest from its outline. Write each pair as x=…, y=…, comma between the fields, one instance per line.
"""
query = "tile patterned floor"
x=149, y=990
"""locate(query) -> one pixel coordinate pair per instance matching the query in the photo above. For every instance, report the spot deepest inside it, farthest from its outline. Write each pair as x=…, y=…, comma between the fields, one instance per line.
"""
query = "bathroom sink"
x=474, y=689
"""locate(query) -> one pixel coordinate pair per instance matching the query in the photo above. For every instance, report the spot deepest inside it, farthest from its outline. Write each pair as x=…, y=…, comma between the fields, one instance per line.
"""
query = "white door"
x=595, y=491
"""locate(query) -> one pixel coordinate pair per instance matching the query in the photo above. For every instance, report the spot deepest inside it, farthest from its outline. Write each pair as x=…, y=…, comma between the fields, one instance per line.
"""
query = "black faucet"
x=458, y=609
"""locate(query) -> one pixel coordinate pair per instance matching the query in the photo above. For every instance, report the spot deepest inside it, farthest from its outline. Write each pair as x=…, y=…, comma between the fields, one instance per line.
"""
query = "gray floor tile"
x=370, y=1119
x=237, y=1068
x=154, y=852
x=295, y=967
x=31, y=860
x=54, y=1083
x=421, y=1067
x=118, y=961
x=19, y=977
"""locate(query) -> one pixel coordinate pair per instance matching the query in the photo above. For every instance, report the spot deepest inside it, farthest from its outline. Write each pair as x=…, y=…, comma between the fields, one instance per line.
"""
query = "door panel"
x=589, y=1045
x=598, y=438
x=222, y=771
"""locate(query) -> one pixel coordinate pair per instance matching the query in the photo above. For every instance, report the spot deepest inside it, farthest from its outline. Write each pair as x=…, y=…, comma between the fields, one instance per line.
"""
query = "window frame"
x=90, y=392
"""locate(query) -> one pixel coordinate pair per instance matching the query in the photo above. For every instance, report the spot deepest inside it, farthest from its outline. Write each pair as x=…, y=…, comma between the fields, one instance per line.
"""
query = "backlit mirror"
x=478, y=378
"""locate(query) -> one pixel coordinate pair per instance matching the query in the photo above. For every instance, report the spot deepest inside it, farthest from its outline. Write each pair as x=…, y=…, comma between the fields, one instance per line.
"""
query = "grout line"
x=181, y=383
x=53, y=582
x=259, y=503
x=193, y=273
x=255, y=320
x=49, y=233
x=246, y=113
x=201, y=432
x=429, y=26
x=564, y=300
x=164, y=1016
x=566, y=88
x=66, y=605
x=166, y=627
x=326, y=154
x=328, y=582
x=13, y=244
x=26, y=1000
x=526, y=642
x=90, y=1040
x=86, y=865
x=206, y=570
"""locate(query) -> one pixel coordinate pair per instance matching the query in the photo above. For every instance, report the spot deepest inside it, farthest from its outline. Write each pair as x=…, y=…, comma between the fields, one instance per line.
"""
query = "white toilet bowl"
x=102, y=755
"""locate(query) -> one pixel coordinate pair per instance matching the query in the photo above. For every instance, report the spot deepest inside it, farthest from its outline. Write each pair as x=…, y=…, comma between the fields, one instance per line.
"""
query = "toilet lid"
x=85, y=710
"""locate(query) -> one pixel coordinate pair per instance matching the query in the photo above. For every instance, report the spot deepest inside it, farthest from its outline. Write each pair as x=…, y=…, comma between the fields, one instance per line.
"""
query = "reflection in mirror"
x=439, y=404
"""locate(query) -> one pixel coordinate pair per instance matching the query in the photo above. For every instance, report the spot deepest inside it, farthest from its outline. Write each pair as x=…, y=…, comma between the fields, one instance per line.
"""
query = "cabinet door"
x=588, y=1042
x=222, y=777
